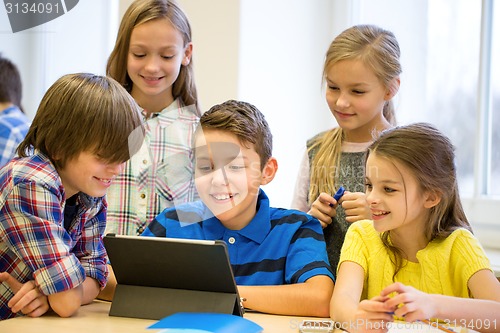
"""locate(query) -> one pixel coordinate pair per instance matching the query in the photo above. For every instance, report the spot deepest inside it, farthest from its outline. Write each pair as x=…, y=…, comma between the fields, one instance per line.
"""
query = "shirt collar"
x=256, y=230
x=173, y=112
x=169, y=114
x=11, y=109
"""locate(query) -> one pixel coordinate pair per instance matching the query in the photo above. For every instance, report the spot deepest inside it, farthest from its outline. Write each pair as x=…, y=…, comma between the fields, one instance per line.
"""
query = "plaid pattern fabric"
x=159, y=176
x=33, y=242
x=13, y=128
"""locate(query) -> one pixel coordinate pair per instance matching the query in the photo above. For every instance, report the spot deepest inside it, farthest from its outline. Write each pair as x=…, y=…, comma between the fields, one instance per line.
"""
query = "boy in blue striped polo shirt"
x=278, y=256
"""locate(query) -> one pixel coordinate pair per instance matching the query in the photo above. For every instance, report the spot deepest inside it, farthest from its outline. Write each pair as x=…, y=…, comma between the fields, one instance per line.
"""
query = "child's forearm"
x=66, y=303
x=477, y=314
x=91, y=289
x=311, y=298
x=108, y=292
x=343, y=309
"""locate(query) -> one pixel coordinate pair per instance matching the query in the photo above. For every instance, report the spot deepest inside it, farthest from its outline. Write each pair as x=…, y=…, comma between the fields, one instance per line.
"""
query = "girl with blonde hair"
x=361, y=72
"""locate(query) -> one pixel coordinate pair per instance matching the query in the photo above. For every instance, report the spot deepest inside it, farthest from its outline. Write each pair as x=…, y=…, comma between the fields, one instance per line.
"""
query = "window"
x=495, y=102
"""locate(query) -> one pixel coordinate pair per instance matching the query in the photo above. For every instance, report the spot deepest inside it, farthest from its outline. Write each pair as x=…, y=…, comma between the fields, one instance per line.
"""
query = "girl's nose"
x=152, y=64
x=342, y=100
x=372, y=198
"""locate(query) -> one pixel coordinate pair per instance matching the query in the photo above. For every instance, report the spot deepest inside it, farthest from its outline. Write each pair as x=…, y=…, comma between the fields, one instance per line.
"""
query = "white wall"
x=270, y=54
x=282, y=49
x=78, y=41
x=216, y=39
x=20, y=49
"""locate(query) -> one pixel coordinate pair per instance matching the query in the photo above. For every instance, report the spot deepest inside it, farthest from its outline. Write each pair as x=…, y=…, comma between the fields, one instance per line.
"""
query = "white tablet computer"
x=157, y=277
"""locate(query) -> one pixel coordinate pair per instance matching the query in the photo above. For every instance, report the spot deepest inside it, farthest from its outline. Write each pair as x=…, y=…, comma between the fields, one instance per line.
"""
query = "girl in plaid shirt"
x=152, y=59
x=52, y=206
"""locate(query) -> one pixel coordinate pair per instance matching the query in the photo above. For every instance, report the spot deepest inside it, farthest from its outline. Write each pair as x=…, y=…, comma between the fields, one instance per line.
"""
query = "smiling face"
x=228, y=176
x=356, y=98
x=88, y=174
x=156, y=54
x=395, y=198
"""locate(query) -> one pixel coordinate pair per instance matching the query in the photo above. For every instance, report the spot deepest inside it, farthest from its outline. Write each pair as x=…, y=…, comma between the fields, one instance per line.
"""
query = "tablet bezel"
x=197, y=271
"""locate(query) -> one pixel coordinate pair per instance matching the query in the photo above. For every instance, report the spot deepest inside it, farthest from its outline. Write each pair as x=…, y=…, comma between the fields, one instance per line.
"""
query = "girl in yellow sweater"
x=417, y=257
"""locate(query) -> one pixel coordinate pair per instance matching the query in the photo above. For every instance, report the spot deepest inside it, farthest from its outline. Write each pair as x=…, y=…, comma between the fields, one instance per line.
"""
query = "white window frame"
x=482, y=209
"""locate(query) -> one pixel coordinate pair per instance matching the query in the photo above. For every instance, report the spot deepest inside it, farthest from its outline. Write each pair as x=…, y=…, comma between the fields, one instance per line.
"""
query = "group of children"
x=139, y=136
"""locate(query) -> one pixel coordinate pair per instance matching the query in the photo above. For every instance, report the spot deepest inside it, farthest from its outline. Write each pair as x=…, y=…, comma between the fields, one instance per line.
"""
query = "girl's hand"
x=355, y=206
x=410, y=303
x=323, y=208
x=27, y=297
x=372, y=316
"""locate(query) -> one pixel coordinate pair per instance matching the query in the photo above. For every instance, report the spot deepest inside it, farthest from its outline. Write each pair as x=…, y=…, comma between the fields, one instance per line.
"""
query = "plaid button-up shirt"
x=34, y=245
x=160, y=175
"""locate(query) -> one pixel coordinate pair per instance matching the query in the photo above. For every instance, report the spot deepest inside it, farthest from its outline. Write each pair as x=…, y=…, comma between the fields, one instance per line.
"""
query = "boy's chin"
x=221, y=213
x=95, y=193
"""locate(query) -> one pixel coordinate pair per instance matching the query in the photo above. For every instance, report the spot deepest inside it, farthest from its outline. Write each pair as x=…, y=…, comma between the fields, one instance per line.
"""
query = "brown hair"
x=141, y=11
x=11, y=88
x=430, y=157
x=243, y=120
x=379, y=50
x=84, y=112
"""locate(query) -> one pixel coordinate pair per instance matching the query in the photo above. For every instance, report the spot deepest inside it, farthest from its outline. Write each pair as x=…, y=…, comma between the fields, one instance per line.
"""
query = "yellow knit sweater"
x=444, y=266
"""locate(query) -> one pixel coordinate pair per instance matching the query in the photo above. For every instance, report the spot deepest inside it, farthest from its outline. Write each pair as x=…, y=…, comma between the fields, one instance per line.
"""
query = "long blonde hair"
x=379, y=50
x=141, y=11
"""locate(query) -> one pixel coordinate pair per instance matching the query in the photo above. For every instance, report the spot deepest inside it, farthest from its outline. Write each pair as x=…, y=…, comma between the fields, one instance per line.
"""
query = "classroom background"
x=271, y=52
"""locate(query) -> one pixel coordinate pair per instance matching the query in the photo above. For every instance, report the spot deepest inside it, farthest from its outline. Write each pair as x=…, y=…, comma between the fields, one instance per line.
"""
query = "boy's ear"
x=188, y=52
x=269, y=171
x=432, y=199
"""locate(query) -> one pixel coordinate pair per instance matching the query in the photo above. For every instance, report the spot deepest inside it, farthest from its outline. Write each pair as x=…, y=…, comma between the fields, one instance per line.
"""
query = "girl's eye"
x=167, y=57
x=138, y=55
x=333, y=88
x=358, y=92
x=368, y=186
x=389, y=190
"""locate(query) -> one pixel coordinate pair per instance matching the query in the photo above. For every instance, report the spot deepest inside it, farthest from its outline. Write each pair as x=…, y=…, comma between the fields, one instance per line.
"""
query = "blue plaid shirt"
x=13, y=128
x=34, y=244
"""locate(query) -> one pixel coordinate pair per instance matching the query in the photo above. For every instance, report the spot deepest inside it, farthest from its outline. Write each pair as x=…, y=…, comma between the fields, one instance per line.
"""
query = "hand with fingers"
x=324, y=209
x=27, y=297
x=408, y=302
x=354, y=203
x=372, y=316
x=355, y=206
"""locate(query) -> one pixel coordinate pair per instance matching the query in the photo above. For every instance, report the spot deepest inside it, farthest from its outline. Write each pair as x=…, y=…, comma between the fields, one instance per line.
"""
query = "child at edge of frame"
x=52, y=204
